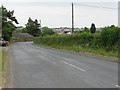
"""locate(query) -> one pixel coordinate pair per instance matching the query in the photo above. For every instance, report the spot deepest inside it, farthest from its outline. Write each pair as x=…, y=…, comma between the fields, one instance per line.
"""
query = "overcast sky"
x=57, y=13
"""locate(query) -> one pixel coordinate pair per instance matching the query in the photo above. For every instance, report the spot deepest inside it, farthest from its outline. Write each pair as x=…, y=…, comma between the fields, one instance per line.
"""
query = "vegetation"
x=47, y=31
x=7, y=23
x=104, y=42
x=0, y=21
x=86, y=29
x=93, y=28
x=3, y=65
x=110, y=38
x=33, y=28
x=0, y=66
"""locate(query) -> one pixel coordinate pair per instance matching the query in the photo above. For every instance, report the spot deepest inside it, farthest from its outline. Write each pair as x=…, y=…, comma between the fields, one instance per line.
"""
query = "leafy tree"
x=47, y=31
x=7, y=23
x=0, y=20
x=86, y=29
x=33, y=27
x=93, y=28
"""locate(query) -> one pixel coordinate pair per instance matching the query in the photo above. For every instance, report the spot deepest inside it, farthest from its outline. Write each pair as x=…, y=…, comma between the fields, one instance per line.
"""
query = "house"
x=62, y=30
x=67, y=30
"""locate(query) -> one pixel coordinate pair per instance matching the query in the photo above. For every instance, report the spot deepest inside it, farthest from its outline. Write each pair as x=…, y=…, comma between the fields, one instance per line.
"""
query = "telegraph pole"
x=119, y=43
x=72, y=18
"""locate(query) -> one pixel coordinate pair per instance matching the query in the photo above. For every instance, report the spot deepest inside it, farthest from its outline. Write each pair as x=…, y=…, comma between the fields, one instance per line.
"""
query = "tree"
x=0, y=20
x=47, y=31
x=7, y=23
x=93, y=28
x=112, y=26
x=86, y=29
x=33, y=27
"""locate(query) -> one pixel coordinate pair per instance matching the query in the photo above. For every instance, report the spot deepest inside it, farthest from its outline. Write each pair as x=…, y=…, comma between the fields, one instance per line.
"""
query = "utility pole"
x=119, y=14
x=72, y=18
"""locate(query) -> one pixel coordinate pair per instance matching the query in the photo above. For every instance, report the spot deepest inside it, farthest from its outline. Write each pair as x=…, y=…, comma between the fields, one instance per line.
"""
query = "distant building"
x=62, y=30
x=67, y=30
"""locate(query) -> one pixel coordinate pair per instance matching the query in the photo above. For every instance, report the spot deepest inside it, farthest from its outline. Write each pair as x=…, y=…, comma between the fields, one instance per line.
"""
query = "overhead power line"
x=95, y=6
x=86, y=6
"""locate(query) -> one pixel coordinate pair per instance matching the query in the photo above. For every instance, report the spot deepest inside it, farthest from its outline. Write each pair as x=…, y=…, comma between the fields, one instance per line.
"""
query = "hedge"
x=108, y=39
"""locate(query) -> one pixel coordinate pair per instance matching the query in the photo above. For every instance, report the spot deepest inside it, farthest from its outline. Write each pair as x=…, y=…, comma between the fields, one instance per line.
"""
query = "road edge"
x=106, y=58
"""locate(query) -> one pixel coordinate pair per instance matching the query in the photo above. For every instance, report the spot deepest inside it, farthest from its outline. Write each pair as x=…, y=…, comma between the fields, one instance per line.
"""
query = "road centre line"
x=117, y=86
x=74, y=66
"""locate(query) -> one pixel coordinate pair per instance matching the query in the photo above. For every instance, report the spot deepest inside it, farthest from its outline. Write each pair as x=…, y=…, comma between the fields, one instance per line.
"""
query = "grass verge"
x=3, y=66
x=101, y=52
x=0, y=66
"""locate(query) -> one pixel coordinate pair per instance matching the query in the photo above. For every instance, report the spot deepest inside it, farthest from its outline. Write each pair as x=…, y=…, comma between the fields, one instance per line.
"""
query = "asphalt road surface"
x=38, y=67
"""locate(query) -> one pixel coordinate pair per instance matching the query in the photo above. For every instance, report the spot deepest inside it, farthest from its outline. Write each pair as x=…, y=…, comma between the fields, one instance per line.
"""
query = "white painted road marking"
x=117, y=86
x=74, y=66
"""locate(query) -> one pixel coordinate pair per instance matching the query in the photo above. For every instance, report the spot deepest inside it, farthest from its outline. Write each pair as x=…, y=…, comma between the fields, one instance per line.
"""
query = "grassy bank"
x=3, y=65
x=83, y=50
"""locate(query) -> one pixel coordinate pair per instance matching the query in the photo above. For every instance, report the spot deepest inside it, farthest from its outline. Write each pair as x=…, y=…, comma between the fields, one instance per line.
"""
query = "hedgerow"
x=108, y=39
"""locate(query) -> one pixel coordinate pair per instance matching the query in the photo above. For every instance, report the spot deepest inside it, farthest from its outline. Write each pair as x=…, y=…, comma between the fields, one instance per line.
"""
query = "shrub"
x=109, y=37
x=86, y=29
x=47, y=31
x=95, y=43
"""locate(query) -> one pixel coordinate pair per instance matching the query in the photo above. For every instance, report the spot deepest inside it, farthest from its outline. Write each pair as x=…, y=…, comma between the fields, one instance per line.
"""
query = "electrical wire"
x=96, y=6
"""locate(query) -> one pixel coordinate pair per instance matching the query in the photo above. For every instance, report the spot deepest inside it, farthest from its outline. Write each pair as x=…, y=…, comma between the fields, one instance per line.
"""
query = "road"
x=38, y=67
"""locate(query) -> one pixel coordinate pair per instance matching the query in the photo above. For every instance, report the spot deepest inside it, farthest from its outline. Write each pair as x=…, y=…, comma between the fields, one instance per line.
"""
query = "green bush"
x=85, y=39
x=95, y=43
x=47, y=31
x=110, y=37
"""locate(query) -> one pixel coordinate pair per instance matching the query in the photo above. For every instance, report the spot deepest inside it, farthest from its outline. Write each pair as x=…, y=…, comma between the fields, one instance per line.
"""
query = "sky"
x=57, y=13
x=59, y=0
